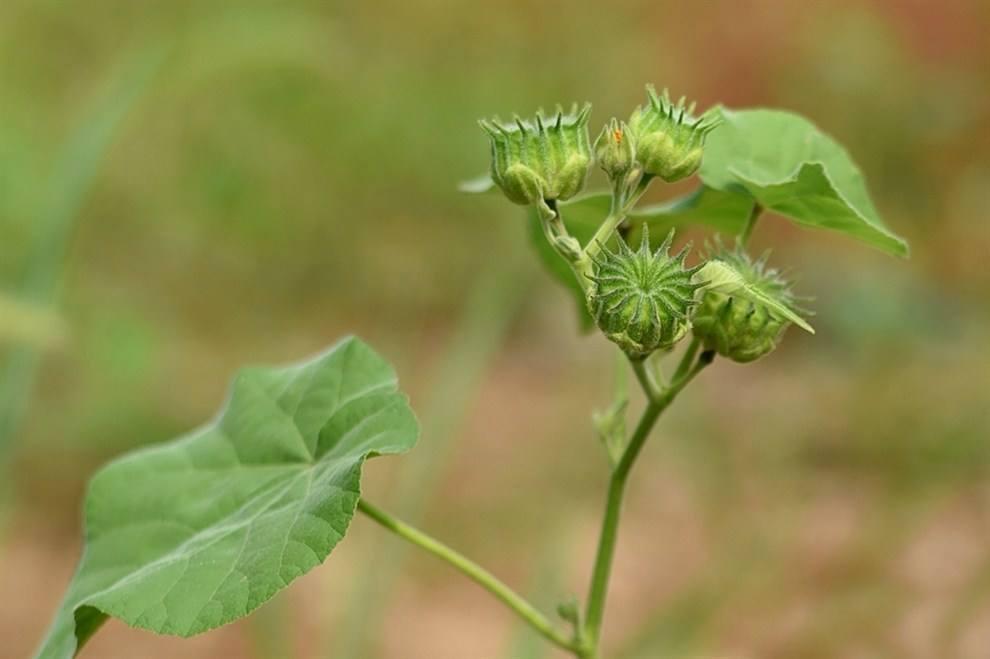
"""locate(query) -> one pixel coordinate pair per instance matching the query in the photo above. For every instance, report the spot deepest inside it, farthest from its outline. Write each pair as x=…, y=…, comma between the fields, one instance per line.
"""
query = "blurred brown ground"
x=288, y=175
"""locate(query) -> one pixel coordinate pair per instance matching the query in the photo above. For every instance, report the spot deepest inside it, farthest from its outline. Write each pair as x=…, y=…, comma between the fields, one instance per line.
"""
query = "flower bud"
x=669, y=140
x=542, y=160
x=741, y=327
x=614, y=149
x=642, y=300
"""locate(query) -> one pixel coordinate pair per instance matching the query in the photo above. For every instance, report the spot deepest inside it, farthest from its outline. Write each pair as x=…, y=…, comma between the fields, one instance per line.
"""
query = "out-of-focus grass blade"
x=479, y=333
x=75, y=171
x=29, y=325
x=678, y=630
x=548, y=580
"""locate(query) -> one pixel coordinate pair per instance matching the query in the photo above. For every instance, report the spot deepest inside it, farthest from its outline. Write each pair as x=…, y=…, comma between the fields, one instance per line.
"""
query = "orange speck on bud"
x=614, y=153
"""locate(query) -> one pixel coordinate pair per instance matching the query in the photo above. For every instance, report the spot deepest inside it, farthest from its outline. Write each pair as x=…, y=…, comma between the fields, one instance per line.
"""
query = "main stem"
x=475, y=572
x=613, y=504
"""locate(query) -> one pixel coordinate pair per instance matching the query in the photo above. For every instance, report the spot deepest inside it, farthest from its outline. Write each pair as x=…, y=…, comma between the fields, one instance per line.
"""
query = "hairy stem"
x=613, y=506
x=476, y=573
x=566, y=246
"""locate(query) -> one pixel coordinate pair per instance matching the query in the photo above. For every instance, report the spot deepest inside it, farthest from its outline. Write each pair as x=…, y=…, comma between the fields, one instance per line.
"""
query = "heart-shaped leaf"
x=198, y=532
x=789, y=166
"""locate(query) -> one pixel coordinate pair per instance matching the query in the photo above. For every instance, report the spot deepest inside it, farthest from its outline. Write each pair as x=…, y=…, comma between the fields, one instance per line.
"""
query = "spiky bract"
x=541, y=160
x=737, y=328
x=669, y=139
x=642, y=300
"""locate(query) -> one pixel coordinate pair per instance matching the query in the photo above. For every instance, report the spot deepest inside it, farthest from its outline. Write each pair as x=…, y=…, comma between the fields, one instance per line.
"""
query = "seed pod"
x=642, y=300
x=742, y=328
x=543, y=160
x=669, y=140
x=614, y=149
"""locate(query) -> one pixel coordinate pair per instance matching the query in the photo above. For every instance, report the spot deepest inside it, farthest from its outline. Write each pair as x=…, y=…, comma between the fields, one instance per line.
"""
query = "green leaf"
x=198, y=532
x=722, y=211
x=789, y=166
x=723, y=278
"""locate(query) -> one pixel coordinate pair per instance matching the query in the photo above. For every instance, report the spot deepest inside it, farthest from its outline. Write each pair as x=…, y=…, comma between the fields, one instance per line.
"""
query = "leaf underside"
x=193, y=534
x=792, y=168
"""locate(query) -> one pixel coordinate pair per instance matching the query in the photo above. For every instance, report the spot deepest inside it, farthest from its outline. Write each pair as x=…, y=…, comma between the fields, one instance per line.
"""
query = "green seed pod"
x=614, y=149
x=543, y=160
x=742, y=328
x=642, y=300
x=669, y=140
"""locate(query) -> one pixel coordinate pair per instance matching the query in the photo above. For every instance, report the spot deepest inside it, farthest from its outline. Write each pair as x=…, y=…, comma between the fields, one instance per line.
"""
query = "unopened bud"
x=738, y=325
x=614, y=149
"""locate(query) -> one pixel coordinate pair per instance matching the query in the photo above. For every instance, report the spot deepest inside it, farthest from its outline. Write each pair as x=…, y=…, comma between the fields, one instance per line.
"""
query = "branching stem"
x=613, y=506
x=584, y=643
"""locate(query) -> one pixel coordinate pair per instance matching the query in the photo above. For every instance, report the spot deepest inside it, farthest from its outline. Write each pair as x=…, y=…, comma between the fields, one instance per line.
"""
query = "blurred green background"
x=189, y=186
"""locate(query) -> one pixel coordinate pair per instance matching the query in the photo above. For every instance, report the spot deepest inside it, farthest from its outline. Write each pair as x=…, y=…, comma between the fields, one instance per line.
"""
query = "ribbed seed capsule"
x=737, y=328
x=669, y=140
x=642, y=300
x=542, y=160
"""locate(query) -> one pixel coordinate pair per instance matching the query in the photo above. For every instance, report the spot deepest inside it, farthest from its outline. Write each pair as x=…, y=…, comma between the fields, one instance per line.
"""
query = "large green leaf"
x=792, y=168
x=196, y=533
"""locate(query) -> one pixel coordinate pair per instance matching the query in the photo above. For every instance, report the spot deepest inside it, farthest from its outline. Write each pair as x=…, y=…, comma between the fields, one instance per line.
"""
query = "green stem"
x=646, y=379
x=747, y=231
x=475, y=572
x=613, y=506
x=687, y=359
x=615, y=217
x=569, y=249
